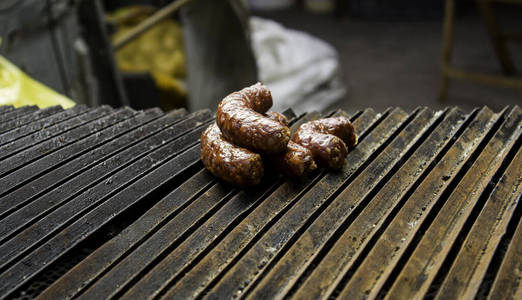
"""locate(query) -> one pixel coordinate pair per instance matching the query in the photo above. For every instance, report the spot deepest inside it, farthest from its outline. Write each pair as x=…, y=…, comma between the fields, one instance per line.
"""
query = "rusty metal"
x=102, y=203
x=358, y=230
x=371, y=274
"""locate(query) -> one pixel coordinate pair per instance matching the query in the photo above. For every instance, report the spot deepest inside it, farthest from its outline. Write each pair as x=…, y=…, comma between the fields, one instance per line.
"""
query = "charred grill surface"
x=102, y=203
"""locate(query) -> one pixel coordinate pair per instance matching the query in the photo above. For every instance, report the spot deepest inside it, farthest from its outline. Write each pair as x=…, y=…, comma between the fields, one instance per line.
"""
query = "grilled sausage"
x=297, y=161
x=327, y=139
x=233, y=164
x=277, y=117
x=241, y=120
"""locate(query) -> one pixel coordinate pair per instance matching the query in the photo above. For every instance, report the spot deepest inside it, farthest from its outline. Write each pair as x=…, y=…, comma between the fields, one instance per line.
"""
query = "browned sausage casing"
x=297, y=161
x=277, y=117
x=326, y=139
x=234, y=165
x=241, y=120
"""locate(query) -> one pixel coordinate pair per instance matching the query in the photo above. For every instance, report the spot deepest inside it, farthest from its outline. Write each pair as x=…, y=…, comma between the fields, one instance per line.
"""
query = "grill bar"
x=473, y=259
x=363, y=220
x=129, y=268
x=27, y=129
x=74, y=139
x=454, y=212
x=15, y=221
x=507, y=283
x=5, y=108
x=37, y=115
x=17, y=113
x=380, y=261
x=102, y=203
x=50, y=132
x=360, y=231
x=34, y=237
x=94, y=140
x=120, y=152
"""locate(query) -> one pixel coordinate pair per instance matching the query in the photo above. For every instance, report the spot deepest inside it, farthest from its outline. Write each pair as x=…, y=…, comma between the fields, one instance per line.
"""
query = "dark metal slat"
x=93, y=220
x=129, y=267
x=423, y=264
x=390, y=224
x=507, y=282
x=470, y=266
x=196, y=278
x=376, y=267
x=31, y=140
x=144, y=174
x=282, y=275
x=161, y=134
x=44, y=183
x=64, y=212
x=49, y=121
x=135, y=234
x=169, y=235
x=37, y=115
x=340, y=256
x=255, y=260
x=15, y=221
x=71, y=151
x=17, y=113
x=180, y=226
x=98, y=262
x=5, y=108
x=53, y=152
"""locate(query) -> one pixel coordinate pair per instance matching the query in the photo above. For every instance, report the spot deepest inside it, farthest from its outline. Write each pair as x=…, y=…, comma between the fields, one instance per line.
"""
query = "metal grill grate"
x=98, y=203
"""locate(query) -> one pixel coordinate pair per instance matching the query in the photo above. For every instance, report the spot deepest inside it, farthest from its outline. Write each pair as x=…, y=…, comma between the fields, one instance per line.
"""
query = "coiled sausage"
x=233, y=164
x=297, y=161
x=327, y=139
x=240, y=116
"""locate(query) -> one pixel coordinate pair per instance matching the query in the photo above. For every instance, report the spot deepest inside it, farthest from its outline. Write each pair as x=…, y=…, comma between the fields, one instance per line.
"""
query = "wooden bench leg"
x=497, y=38
x=447, y=47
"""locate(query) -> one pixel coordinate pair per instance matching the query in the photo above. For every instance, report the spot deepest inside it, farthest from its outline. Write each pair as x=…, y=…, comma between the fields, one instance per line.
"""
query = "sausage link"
x=241, y=120
x=277, y=117
x=297, y=161
x=326, y=139
x=234, y=165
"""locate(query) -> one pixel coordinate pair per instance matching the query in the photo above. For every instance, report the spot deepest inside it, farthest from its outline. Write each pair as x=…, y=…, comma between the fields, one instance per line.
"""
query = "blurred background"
x=313, y=54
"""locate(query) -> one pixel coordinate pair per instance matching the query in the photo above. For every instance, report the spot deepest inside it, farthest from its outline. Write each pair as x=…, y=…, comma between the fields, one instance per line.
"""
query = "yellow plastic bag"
x=18, y=89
